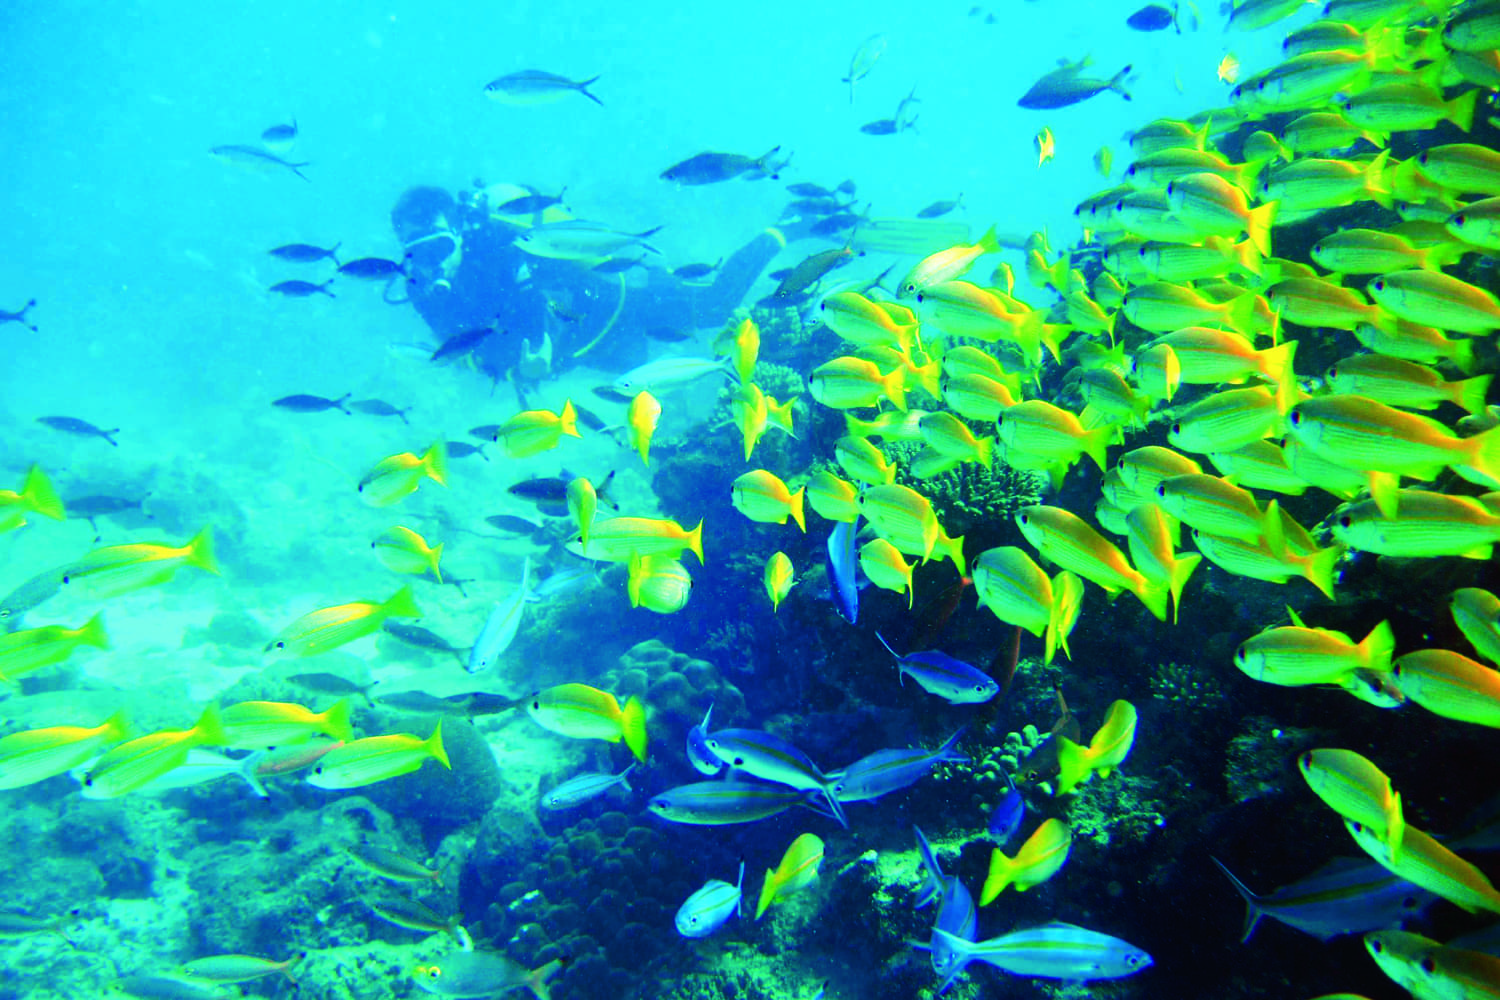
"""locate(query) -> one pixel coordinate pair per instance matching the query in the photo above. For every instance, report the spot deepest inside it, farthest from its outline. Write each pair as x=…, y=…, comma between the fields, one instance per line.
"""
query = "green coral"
x=1255, y=761
x=971, y=494
x=1123, y=808
x=1186, y=687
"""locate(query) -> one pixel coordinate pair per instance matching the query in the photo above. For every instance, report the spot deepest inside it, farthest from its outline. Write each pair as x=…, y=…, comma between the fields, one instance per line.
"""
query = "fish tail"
x=1182, y=570
x=1377, y=647
x=989, y=242
x=984, y=452
x=1276, y=362
x=93, y=633
x=695, y=542
x=115, y=728
x=583, y=88
x=435, y=462
x=1463, y=356
x=835, y=806
x=1485, y=453
x=797, y=508
x=200, y=551
x=209, y=728
x=39, y=495
x=637, y=574
x=536, y=981
x=1470, y=393
x=934, y=887
x=568, y=419
x=1395, y=819
x=895, y=389
x=767, y=893
x=1002, y=873
x=1376, y=185
x=1258, y=225
x=1117, y=83
x=1461, y=110
x=247, y=773
x=1096, y=445
x=633, y=727
x=948, y=751
x=1444, y=255
x=336, y=720
x=625, y=778
x=1319, y=569
x=340, y=403
x=436, y=558
x=434, y=746
x=1053, y=335
x=401, y=604
x=333, y=255
x=1074, y=764
x=1253, y=911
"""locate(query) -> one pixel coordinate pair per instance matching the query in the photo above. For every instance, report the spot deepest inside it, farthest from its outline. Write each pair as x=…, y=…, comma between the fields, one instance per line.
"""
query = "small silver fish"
x=537, y=86
x=708, y=909
x=256, y=159
x=500, y=629
x=577, y=791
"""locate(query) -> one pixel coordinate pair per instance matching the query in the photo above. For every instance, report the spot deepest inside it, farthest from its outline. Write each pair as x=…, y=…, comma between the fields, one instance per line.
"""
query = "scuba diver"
x=468, y=270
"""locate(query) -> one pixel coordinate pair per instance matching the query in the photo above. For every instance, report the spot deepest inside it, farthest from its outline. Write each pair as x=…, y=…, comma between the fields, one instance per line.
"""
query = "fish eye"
x=1305, y=761
x=1346, y=521
x=434, y=972
x=1170, y=186
x=1458, y=220
x=1294, y=418
x=1239, y=656
x=1378, y=284
x=1377, y=946
x=536, y=705
x=1428, y=965
x=1333, y=371
x=1161, y=489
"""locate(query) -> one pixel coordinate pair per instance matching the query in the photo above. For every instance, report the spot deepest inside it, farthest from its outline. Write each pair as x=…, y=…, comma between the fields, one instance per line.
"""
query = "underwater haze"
x=749, y=502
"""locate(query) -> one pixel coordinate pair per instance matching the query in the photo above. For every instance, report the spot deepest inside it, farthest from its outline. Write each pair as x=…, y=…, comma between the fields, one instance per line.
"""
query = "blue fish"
x=940, y=674
x=577, y=791
x=721, y=803
x=956, y=913
x=843, y=567
x=708, y=909
x=1345, y=896
x=1008, y=814
x=500, y=628
x=1052, y=951
x=699, y=755
x=771, y=758
x=886, y=771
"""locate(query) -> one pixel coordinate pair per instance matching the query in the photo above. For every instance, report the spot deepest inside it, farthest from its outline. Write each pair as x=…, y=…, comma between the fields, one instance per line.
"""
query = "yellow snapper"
x=951, y=437
x=38, y=754
x=946, y=265
x=1066, y=539
x=1451, y=685
x=398, y=476
x=751, y=413
x=1406, y=384
x=1051, y=434
x=779, y=578
x=1437, y=299
x=850, y=383
x=1294, y=655
x=762, y=496
x=885, y=567
x=1352, y=786
x=1151, y=534
x=1476, y=612
x=142, y=760
x=261, y=724
x=532, y=432
x=1038, y=859
x=27, y=650
x=119, y=569
x=377, y=758
x=1427, y=524
x=402, y=550
x=641, y=419
x=1425, y=862
x=616, y=539
x=832, y=497
x=798, y=870
x=861, y=321
x=1216, y=207
x=328, y=628
x=1105, y=752
x=1219, y=507
x=903, y=517
x=587, y=713
x=583, y=503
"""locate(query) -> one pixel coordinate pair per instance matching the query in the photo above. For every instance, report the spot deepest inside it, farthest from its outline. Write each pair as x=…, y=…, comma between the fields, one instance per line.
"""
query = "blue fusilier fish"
x=771, y=758
x=722, y=803
x=1008, y=814
x=500, y=628
x=1052, y=951
x=708, y=909
x=886, y=771
x=577, y=791
x=1345, y=896
x=699, y=755
x=843, y=565
x=938, y=673
x=956, y=913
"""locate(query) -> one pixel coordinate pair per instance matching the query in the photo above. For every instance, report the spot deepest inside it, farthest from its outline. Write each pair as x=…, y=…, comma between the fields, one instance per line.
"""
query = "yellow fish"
x=616, y=539
x=398, y=476
x=31, y=649
x=587, y=713
x=532, y=432
x=119, y=569
x=583, y=503
x=1039, y=858
x=1437, y=299
x=404, y=551
x=1405, y=384
x=36, y=496
x=746, y=348
x=1352, y=786
x=951, y=437
x=1050, y=434
x=1476, y=612
x=762, y=496
x=1451, y=685
x=849, y=383
x=38, y=754
x=257, y=725
x=1217, y=207
x=1105, y=752
x=378, y=758
x=142, y=760
x=885, y=567
x=1229, y=69
x=779, y=578
x=903, y=517
x=1069, y=541
x=1427, y=524
x=1104, y=161
x=978, y=397
x=798, y=870
x=658, y=583
x=751, y=412
x=946, y=265
x=1151, y=533
x=1294, y=655
x=832, y=497
x=861, y=321
x=1046, y=146
x=328, y=628
x=641, y=418
x=1427, y=863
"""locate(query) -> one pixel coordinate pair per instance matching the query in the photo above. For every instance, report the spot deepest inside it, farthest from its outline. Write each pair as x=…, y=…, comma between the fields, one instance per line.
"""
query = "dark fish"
x=1063, y=86
x=306, y=253
x=529, y=204
x=667, y=335
x=805, y=190
x=881, y=126
x=932, y=617
x=72, y=425
x=552, y=491
x=302, y=289
x=485, y=432
x=835, y=224
x=711, y=168
x=90, y=507
x=372, y=269
x=691, y=272
x=1153, y=17
x=35, y=591
x=483, y=702
x=845, y=187
x=256, y=159
x=280, y=137
x=806, y=274
x=416, y=635
x=379, y=408
x=461, y=449
x=938, y=209
x=328, y=684
x=589, y=419
x=311, y=404
x=617, y=265
x=512, y=524
x=418, y=701
x=19, y=316
x=1007, y=659
x=813, y=206
x=462, y=343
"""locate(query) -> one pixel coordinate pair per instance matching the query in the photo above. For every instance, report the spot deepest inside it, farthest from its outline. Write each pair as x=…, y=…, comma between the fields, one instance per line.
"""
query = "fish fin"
x=1319, y=569
x=568, y=418
x=1378, y=647
x=1073, y=765
x=1117, y=83
x=93, y=633
x=210, y=728
x=1253, y=912
x=633, y=727
x=1258, y=226
x=695, y=542
x=1384, y=490
x=1395, y=819
x=1470, y=393
x=836, y=808
x=434, y=746
x=435, y=462
x=934, y=887
x=1002, y=872
x=437, y=556
x=1182, y=570
x=797, y=509
x=767, y=893
x=39, y=495
x=401, y=604
x=116, y=727
x=246, y=772
x=625, y=776
x=583, y=88
x=200, y=551
x=536, y=981
x=1461, y=110
x=336, y=720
